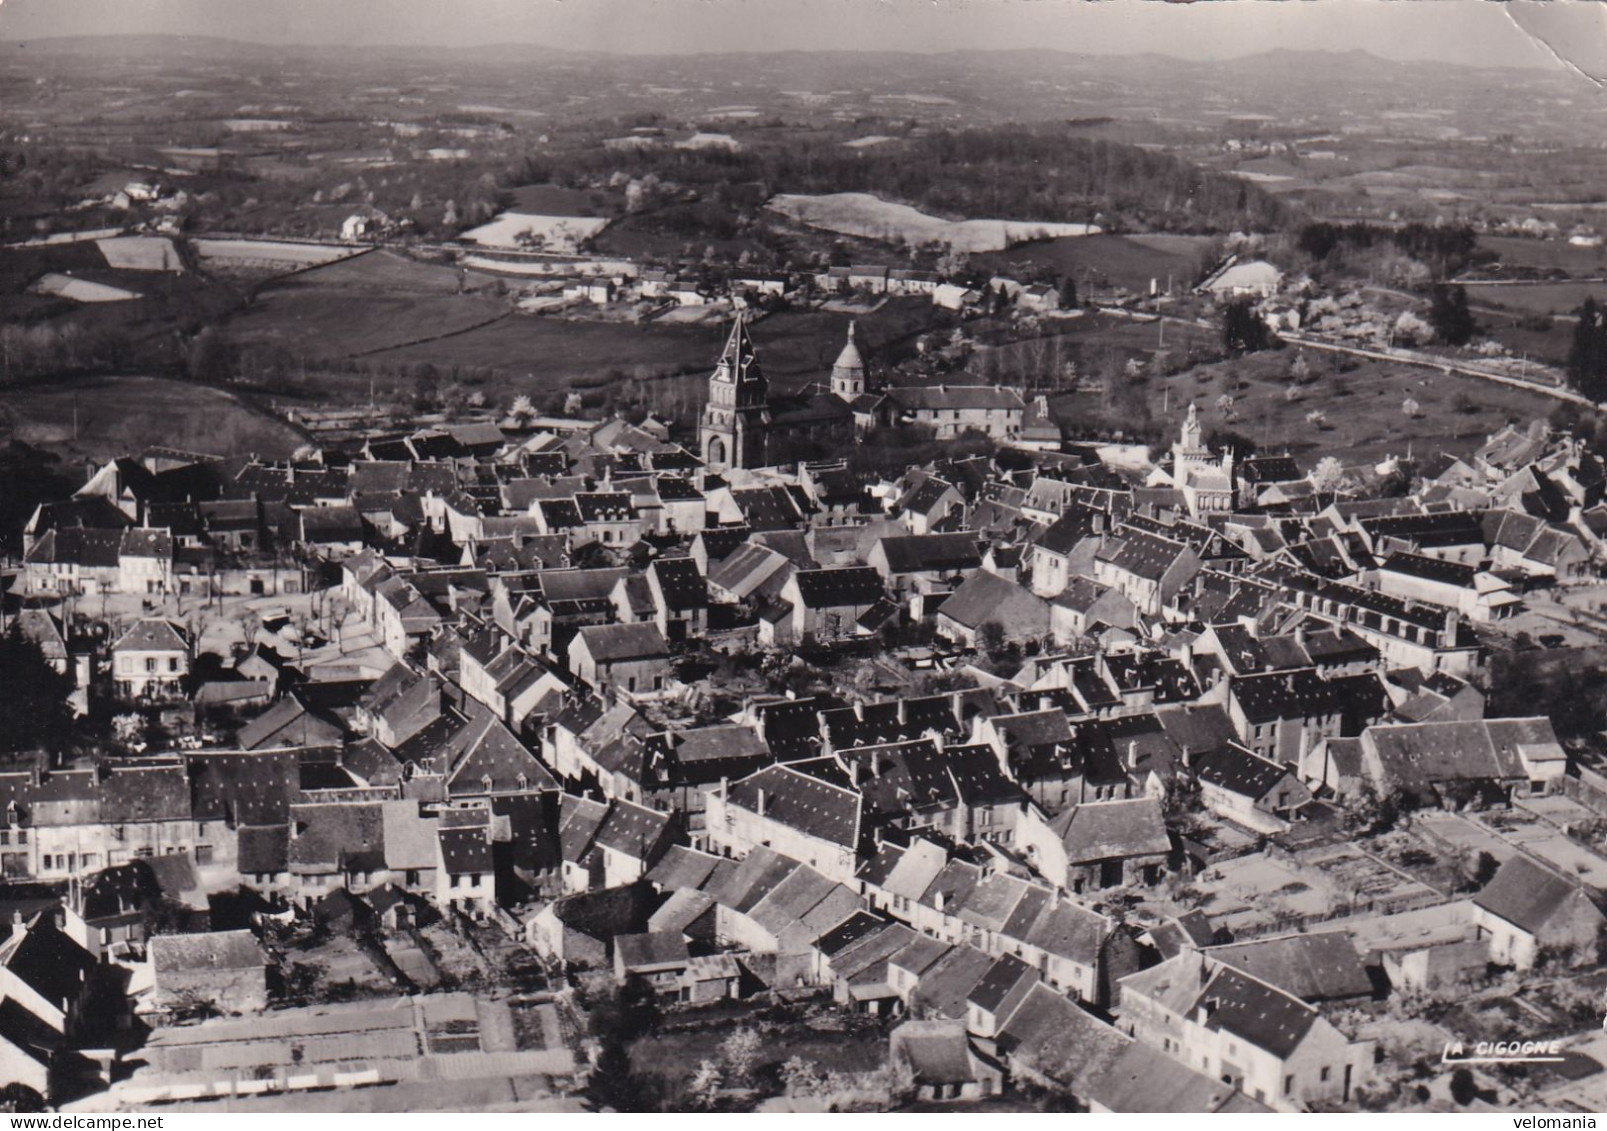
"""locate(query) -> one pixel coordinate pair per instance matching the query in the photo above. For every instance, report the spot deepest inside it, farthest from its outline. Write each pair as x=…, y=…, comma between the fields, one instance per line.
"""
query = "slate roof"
x=937, y=1052
x=1256, y=1012
x=213, y=950
x=1113, y=830
x=1141, y=1079
x=680, y=582
x=1528, y=896
x=839, y=587
x=652, y=950
x=465, y=851
x=931, y=553
x=1061, y=1040
x=1418, y=754
x=337, y=837
x=802, y=801
x=613, y=643
x=153, y=635
x=1237, y=770
x=1315, y=967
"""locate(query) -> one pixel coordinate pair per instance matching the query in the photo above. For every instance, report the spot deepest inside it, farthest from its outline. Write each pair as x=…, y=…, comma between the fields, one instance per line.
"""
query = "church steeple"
x=848, y=371
x=732, y=433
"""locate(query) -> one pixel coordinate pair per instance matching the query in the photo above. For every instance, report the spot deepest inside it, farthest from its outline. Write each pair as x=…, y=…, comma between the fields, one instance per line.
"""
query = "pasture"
x=317, y=323
x=1546, y=255
x=1362, y=406
x=1542, y=298
x=1105, y=261
x=870, y=217
x=103, y=417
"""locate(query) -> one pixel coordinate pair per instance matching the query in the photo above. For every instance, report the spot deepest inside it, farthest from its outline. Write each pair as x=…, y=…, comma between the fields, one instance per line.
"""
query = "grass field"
x=1365, y=420
x=385, y=270
x=1106, y=261
x=861, y=214
x=121, y=415
x=1546, y=255
x=316, y=323
x=1545, y=298
x=542, y=355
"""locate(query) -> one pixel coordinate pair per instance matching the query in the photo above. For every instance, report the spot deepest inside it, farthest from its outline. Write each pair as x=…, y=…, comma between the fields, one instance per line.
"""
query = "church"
x=1204, y=478
x=741, y=416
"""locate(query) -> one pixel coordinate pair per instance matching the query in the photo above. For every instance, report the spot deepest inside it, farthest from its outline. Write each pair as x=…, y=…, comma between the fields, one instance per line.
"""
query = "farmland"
x=522, y=229
x=1106, y=261
x=1541, y=298
x=364, y=304
x=102, y=417
x=311, y=323
x=1365, y=421
x=861, y=214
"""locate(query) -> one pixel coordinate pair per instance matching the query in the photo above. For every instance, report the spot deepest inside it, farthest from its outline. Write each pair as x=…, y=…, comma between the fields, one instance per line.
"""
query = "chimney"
x=853, y=772
x=761, y=803
x=903, y=711
x=1099, y=522
x=859, y=710
x=1186, y=657
x=1451, y=622
x=725, y=786
x=1301, y=635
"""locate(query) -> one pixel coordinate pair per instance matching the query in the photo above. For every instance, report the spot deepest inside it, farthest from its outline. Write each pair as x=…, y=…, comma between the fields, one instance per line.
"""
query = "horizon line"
x=628, y=54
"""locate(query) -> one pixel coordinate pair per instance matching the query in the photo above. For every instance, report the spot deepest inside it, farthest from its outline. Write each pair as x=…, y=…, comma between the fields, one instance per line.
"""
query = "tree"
x=129, y=728
x=16, y=1097
x=704, y=1087
x=1068, y=293
x=1328, y=476
x=741, y=1052
x=522, y=410
x=1587, y=357
x=990, y=637
x=1449, y=315
x=1411, y=408
x=33, y=703
x=1243, y=331
x=799, y=1076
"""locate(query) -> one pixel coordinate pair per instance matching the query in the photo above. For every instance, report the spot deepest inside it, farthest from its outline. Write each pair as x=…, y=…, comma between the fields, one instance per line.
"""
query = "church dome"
x=849, y=358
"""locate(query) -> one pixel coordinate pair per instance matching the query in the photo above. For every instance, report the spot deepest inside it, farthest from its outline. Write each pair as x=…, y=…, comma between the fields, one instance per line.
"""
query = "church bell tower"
x=736, y=417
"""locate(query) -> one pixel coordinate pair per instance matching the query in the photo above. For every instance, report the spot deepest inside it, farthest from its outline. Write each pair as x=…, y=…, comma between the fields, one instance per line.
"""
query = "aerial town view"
x=840, y=556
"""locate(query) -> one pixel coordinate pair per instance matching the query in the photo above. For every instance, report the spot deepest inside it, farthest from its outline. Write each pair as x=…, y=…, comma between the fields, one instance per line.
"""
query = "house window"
x=1288, y=1085
x=412, y=878
x=172, y=663
x=456, y=880
x=203, y=854
x=150, y=664
x=1326, y=1073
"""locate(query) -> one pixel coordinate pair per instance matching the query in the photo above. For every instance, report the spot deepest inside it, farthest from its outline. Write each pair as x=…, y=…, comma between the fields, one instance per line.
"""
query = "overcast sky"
x=1464, y=31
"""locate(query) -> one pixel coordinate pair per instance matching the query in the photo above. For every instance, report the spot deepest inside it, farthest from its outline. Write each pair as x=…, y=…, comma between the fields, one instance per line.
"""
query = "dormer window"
x=486, y=782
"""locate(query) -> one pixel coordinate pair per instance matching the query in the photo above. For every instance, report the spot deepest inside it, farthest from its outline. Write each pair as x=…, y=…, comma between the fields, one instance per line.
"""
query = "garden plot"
x=1256, y=894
